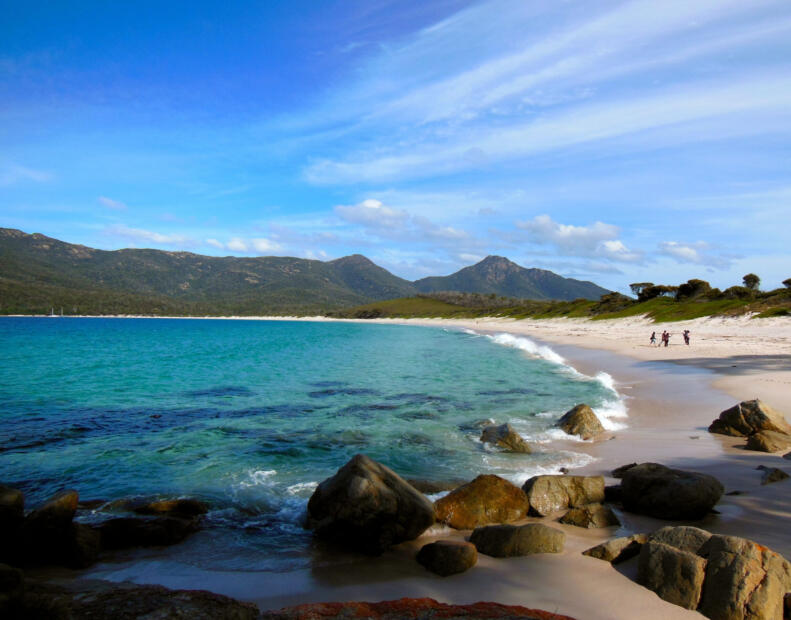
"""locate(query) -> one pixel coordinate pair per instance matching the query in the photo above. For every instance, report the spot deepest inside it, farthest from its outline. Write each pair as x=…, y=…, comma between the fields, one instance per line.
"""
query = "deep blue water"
x=250, y=415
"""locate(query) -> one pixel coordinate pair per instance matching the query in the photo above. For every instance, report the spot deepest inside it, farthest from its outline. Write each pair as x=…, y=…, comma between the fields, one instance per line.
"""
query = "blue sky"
x=610, y=141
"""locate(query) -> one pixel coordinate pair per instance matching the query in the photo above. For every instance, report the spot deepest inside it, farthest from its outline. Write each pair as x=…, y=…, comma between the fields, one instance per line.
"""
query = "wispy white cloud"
x=698, y=253
x=566, y=128
x=13, y=174
x=215, y=244
x=117, y=205
x=147, y=236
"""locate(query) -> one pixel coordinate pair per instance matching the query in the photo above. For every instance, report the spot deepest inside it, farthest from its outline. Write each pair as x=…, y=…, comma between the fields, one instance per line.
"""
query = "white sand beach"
x=672, y=395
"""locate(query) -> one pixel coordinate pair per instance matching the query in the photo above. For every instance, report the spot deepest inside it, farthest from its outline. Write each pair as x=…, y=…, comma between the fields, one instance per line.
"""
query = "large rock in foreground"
x=723, y=577
x=368, y=507
x=505, y=541
x=448, y=557
x=487, y=499
x=768, y=441
x=743, y=579
x=548, y=494
x=505, y=438
x=664, y=493
x=675, y=575
x=581, y=421
x=408, y=609
x=749, y=417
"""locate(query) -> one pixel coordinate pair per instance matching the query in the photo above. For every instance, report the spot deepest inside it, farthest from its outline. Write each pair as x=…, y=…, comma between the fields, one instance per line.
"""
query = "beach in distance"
x=658, y=403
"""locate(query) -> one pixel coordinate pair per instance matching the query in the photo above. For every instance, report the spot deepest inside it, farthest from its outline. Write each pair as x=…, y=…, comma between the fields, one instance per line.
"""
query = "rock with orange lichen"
x=410, y=609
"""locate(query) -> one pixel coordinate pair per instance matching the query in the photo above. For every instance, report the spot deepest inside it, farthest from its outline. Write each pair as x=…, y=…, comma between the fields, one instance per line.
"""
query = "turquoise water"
x=250, y=415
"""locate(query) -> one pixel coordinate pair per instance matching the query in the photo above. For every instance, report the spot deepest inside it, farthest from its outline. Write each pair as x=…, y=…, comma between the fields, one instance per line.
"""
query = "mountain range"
x=38, y=273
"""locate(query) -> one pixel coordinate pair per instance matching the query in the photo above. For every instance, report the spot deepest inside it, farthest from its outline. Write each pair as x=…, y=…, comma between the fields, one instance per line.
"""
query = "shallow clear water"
x=250, y=415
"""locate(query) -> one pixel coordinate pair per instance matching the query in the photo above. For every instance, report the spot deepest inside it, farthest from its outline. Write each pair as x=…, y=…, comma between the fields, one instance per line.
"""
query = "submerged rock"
x=772, y=474
x=448, y=557
x=618, y=472
x=618, y=549
x=749, y=417
x=590, y=516
x=125, y=532
x=664, y=493
x=548, y=494
x=184, y=508
x=487, y=499
x=581, y=421
x=367, y=506
x=506, y=438
x=408, y=609
x=768, y=441
x=504, y=541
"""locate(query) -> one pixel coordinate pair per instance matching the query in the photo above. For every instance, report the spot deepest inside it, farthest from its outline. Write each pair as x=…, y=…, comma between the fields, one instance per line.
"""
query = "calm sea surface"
x=250, y=415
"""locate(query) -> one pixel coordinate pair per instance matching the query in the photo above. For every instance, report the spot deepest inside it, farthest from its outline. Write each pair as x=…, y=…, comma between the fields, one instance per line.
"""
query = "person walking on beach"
x=653, y=339
x=666, y=338
x=686, y=337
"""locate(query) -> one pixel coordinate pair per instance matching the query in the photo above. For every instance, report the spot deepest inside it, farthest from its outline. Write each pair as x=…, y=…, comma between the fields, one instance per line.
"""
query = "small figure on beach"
x=666, y=337
x=653, y=338
x=686, y=337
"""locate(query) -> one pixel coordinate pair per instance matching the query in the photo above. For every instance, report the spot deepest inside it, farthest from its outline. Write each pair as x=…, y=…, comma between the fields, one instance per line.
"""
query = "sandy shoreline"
x=672, y=394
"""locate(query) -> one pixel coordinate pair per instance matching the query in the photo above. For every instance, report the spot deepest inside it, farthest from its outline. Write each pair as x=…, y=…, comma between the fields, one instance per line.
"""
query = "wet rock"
x=683, y=537
x=581, y=421
x=126, y=601
x=749, y=417
x=664, y=493
x=57, y=512
x=12, y=514
x=11, y=589
x=675, y=575
x=768, y=441
x=367, y=506
x=183, y=508
x=448, y=557
x=487, y=499
x=125, y=532
x=408, y=609
x=590, y=516
x=772, y=474
x=506, y=438
x=504, y=541
x=50, y=538
x=618, y=549
x=81, y=547
x=548, y=494
x=743, y=579
x=430, y=487
x=618, y=472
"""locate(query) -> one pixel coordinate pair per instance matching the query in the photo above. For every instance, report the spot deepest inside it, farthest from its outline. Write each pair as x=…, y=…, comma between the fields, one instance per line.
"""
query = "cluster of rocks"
x=49, y=535
x=765, y=428
x=723, y=577
x=367, y=507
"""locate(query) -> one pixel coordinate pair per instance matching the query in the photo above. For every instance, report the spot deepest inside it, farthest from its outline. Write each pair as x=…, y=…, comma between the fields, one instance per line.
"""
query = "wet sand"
x=672, y=395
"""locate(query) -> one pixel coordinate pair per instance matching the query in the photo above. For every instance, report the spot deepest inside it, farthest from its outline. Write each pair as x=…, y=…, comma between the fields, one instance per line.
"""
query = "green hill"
x=499, y=276
x=38, y=273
